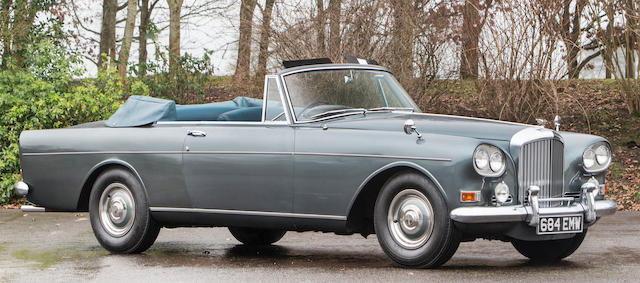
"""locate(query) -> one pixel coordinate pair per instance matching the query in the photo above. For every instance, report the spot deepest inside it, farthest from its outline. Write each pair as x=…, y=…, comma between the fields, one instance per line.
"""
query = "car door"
x=241, y=165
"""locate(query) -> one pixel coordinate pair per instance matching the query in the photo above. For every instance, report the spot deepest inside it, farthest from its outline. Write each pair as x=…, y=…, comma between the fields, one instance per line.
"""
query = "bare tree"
x=629, y=39
x=5, y=18
x=470, y=32
x=608, y=40
x=571, y=34
x=108, y=32
x=123, y=57
x=320, y=27
x=334, y=29
x=145, y=16
x=265, y=33
x=402, y=40
x=175, y=8
x=247, y=8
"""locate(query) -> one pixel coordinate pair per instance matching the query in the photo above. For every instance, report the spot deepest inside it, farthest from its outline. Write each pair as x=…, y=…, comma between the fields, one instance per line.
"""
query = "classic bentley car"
x=331, y=147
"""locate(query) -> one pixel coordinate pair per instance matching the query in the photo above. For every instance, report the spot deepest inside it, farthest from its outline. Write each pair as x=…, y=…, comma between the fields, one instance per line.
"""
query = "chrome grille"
x=541, y=164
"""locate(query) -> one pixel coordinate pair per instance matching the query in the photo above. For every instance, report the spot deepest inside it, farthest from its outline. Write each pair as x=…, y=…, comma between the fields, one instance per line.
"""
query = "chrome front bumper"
x=531, y=214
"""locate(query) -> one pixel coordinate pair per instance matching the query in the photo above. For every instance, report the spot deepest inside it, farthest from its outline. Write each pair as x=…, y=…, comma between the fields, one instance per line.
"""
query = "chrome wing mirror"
x=410, y=128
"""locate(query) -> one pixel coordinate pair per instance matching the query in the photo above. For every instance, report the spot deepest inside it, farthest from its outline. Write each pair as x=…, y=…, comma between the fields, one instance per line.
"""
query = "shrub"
x=187, y=83
x=516, y=100
x=30, y=99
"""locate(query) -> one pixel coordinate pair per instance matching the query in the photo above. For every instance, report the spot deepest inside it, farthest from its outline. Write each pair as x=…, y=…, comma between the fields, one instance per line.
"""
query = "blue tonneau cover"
x=144, y=110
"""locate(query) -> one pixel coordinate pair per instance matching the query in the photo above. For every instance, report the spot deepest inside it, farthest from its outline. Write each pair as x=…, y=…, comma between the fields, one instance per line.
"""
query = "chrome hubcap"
x=410, y=219
x=117, y=210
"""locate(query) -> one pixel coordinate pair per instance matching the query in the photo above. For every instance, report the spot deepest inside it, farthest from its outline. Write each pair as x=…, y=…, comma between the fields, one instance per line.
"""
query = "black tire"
x=551, y=250
x=444, y=239
x=255, y=236
x=142, y=230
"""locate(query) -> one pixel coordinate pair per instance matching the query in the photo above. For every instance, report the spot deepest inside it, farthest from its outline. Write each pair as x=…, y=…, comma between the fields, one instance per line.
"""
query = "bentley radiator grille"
x=541, y=164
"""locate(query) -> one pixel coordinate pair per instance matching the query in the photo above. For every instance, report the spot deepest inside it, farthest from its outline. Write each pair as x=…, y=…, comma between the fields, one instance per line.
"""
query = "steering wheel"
x=313, y=105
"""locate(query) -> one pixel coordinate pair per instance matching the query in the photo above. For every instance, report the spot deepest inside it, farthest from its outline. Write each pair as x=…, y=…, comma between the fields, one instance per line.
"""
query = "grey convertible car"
x=331, y=147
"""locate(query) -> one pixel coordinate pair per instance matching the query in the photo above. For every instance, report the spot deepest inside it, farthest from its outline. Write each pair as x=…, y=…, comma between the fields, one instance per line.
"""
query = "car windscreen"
x=317, y=92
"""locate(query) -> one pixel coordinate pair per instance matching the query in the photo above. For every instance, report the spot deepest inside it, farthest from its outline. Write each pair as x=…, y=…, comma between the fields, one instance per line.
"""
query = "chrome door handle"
x=196, y=133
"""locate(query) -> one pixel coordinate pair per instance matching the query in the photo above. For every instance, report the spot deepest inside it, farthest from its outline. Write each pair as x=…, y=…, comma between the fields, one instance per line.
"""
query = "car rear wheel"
x=412, y=222
x=255, y=236
x=551, y=250
x=119, y=213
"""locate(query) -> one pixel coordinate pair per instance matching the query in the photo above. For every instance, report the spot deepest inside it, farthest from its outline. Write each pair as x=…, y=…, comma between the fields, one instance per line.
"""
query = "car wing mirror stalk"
x=410, y=128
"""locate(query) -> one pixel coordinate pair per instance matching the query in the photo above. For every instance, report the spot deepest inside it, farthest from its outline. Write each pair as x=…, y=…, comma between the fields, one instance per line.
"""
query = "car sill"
x=247, y=212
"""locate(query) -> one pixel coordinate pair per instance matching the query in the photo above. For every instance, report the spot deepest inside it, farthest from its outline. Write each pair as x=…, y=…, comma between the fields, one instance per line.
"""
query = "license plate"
x=559, y=224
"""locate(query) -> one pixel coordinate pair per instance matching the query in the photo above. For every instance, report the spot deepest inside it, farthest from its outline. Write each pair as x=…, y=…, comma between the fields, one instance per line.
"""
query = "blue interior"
x=238, y=109
x=144, y=110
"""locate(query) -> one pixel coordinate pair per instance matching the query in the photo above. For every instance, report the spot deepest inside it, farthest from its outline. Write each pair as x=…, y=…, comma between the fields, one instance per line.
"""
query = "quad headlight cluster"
x=489, y=161
x=597, y=157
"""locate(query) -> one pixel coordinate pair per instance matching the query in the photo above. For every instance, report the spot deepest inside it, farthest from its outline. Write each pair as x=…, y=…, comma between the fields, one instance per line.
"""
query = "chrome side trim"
x=222, y=123
x=239, y=152
x=473, y=118
x=247, y=212
x=99, y=152
x=374, y=156
x=243, y=152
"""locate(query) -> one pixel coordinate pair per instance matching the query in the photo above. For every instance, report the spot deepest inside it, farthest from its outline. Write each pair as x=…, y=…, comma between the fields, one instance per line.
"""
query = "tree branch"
x=75, y=15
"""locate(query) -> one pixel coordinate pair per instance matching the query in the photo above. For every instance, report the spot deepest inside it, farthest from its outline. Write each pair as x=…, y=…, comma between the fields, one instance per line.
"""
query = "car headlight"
x=488, y=160
x=596, y=157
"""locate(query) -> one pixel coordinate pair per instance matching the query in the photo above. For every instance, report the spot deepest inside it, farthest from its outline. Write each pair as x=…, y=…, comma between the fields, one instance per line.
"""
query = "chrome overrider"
x=591, y=208
x=21, y=188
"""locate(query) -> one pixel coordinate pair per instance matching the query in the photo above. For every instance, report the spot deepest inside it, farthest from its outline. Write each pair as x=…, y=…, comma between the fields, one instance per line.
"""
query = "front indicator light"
x=469, y=196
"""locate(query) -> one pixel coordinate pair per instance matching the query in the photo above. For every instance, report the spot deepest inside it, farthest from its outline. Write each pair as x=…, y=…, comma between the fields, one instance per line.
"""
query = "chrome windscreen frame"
x=287, y=72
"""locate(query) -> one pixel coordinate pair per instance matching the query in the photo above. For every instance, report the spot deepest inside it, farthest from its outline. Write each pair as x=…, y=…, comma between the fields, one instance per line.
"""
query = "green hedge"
x=28, y=103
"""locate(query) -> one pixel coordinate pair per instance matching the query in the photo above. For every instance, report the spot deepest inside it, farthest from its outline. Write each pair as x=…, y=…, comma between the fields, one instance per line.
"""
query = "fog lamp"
x=501, y=192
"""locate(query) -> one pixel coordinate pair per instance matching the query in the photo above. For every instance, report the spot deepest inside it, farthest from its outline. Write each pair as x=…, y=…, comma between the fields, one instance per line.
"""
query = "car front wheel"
x=551, y=250
x=412, y=222
x=119, y=213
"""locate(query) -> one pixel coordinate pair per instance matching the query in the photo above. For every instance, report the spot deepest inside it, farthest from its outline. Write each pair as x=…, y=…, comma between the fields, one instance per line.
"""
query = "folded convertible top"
x=144, y=110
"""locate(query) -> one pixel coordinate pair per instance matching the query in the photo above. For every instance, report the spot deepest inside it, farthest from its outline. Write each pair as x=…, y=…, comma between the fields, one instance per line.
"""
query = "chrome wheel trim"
x=410, y=219
x=117, y=210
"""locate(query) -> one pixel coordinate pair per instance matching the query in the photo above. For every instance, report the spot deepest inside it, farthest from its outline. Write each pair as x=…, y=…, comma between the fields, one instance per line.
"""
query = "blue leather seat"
x=202, y=112
x=249, y=114
x=214, y=111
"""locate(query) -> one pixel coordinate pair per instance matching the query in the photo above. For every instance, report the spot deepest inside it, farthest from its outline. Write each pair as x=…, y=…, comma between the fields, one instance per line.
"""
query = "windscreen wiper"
x=391, y=109
x=338, y=112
